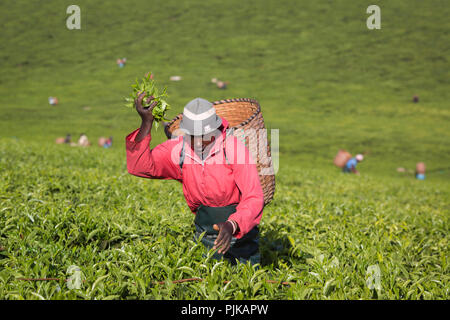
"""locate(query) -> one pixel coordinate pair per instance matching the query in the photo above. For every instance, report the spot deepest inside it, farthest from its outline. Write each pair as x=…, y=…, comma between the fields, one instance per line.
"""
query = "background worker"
x=420, y=171
x=350, y=166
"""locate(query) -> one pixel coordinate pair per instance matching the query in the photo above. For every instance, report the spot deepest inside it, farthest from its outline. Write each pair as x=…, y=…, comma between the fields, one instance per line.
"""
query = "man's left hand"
x=223, y=240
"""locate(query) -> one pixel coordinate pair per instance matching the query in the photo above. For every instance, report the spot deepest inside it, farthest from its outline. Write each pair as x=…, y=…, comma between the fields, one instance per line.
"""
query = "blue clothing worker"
x=350, y=166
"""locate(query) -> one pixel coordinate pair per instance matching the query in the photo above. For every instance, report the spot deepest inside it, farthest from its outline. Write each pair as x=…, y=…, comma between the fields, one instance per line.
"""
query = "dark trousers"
x=241, y=250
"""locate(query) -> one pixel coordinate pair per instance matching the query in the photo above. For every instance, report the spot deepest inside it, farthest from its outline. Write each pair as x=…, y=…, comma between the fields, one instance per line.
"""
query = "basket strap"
x=229, y=133
x=182, y=155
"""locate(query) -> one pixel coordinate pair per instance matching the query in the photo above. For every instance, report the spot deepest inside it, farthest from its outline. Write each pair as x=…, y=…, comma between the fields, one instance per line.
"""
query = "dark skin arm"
x=146, y=116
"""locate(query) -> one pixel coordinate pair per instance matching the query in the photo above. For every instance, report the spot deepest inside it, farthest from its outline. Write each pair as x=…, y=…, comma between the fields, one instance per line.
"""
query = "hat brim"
x=200, y=127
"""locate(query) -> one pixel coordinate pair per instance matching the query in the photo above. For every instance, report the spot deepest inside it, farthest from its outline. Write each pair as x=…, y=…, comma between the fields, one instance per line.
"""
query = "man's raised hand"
x=145, y=113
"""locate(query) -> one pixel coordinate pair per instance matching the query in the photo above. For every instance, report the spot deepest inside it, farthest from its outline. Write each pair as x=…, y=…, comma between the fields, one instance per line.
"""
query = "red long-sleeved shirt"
x=213, y=182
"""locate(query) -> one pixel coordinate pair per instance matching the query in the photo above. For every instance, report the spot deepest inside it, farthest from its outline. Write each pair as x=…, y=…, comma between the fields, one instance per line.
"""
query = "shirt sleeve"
x=249, y=210
x=149, y=163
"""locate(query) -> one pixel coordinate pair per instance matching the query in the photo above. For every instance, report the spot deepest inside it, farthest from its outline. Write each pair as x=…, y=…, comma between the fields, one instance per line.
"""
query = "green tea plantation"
x=75, y=225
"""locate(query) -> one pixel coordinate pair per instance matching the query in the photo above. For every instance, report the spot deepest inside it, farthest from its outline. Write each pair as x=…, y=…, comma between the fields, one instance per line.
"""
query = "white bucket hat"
x=199, y=118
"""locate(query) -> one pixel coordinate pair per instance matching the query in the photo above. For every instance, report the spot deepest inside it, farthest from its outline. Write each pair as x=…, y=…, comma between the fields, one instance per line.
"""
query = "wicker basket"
x=244, y=114
x=341, y=158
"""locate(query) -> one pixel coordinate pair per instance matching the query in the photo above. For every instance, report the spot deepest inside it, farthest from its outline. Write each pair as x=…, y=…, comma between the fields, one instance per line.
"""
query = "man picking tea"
x=219, y=177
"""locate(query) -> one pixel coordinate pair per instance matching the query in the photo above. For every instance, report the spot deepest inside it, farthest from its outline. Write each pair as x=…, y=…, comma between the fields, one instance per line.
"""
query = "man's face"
x=200, y=142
